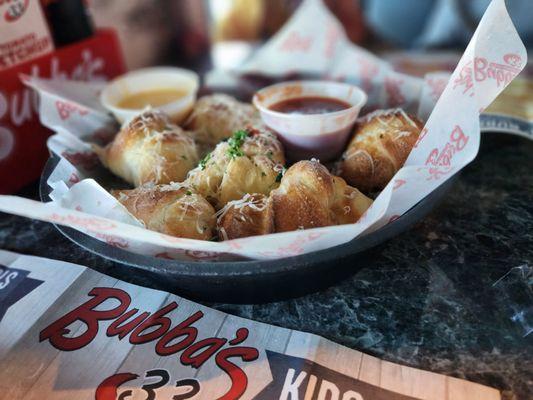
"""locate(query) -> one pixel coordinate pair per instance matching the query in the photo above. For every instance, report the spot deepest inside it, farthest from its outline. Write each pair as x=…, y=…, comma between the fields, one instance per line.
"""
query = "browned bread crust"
x=150, y=149
x=308, y=197
x=175, y=210
x=215, y=118
x=250, y=216
x=381, y=143
x=224, y=176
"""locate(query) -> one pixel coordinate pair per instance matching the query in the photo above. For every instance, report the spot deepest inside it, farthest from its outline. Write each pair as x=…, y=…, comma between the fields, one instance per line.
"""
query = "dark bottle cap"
x=69, y=20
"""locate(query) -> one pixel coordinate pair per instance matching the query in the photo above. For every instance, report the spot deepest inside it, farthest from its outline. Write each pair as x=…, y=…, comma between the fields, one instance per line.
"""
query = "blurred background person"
x=183, y=31
x=438, y=23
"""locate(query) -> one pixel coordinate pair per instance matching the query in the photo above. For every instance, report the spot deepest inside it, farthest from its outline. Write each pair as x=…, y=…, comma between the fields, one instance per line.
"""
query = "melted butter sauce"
x=154, y=98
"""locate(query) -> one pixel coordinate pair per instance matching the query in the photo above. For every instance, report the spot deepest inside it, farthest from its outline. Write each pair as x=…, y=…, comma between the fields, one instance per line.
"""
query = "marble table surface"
x=429, y=298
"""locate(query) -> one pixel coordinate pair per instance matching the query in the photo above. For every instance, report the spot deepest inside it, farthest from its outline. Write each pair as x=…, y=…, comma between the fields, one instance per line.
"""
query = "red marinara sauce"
x=310, y=105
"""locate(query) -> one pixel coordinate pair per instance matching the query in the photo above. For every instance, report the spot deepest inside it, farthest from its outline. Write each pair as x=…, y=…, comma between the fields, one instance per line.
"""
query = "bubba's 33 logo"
x=292, y=377
x=157, y=328
x=480, y=69
x=109, y=389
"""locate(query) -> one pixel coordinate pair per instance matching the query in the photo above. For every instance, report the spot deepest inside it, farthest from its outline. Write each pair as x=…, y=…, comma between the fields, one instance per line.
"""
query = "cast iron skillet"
x=247, y=281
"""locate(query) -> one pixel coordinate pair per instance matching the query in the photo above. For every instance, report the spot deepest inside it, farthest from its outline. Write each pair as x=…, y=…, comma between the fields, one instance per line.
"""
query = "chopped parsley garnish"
x=270, y=154
x=263, y=174
x=235, y=142
x=235, y=152
x=188, y=192
x=203, y=161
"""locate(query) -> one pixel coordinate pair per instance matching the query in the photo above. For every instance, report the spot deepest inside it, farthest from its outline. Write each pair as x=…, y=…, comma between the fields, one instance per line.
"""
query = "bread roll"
x=308, y=197
x=249, y=162
x=218, y=116
x=175, y=210
x=150, y=149
x=252, y=215
x=381, y=143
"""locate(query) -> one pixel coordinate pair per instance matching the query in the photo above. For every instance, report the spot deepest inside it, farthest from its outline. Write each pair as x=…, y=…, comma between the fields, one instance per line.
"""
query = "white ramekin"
x=152, y=79
x=305, y=136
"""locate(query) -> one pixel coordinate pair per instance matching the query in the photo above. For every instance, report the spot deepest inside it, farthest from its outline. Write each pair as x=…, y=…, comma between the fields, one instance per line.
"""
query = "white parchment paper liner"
x=311, y=42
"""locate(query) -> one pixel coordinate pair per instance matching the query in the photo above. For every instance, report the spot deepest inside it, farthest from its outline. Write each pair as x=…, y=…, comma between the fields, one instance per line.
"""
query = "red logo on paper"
x=113, y=240
x=201, y=255
x=65, y=109
x=333, y=36
x=394, y=92
x=437, y=86
x=398, y=183
x=16, y=9
x=514, y=60
x=183, y=340
x=465, y=79
x=296, y=246
x=368, y=71
x=457, y=143
x=440, y=161
x=296, y=42
x=110, y=387
x=436, y=173
x=481, y=69
x=92, y=224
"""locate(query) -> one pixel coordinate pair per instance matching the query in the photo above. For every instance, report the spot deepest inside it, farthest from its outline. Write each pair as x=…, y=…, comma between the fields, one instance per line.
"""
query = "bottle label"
x=24, y=33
